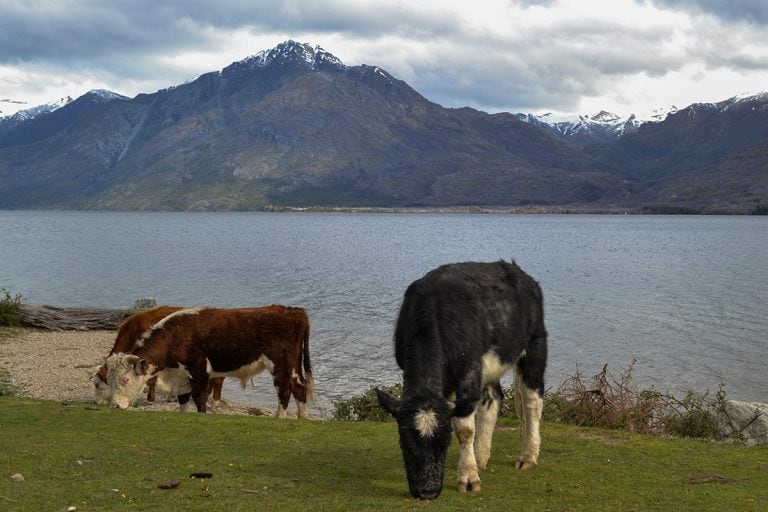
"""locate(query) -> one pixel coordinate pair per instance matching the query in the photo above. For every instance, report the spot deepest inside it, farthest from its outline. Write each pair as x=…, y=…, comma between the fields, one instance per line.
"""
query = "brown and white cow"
x=128, y=334
x=214, y=342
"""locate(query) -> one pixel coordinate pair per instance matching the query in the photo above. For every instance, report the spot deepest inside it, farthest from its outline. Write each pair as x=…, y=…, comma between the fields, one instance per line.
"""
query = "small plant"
x=365, y=407
x=9, y=308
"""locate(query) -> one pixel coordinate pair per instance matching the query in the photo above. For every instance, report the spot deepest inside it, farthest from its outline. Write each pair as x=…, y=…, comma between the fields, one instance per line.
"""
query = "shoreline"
x=57, y=365
x=575, y=209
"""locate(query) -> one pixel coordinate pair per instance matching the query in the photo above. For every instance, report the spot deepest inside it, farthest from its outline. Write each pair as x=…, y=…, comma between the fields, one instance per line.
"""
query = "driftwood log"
x=56, y=318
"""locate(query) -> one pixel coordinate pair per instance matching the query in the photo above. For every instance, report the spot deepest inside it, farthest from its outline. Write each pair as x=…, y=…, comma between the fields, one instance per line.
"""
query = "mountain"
x=7, y=123
x=40, y=122
x=295, y=126
x=289, y=126
x=690, y=139
x=737, y=184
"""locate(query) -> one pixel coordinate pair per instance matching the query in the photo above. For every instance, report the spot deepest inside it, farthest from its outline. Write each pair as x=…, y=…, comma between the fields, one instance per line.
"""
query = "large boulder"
x=746, y=420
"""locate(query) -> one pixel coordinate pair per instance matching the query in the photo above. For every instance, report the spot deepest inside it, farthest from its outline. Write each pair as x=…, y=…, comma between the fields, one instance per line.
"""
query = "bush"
x=9, y=308
x=365, y=407
x=695, y=415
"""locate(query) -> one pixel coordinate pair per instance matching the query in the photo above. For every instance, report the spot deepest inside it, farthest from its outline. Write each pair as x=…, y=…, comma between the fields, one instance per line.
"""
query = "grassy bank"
x=98, y=459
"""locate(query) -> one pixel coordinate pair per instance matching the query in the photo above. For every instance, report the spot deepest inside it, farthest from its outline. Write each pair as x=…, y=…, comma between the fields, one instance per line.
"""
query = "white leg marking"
x=282, y=412
x=188, y=407
x=486, y=422
x=303, y=412
x=529, y=410
x=468, y=478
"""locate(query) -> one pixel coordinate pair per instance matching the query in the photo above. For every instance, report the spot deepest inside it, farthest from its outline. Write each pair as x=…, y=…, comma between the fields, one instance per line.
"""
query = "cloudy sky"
x=564, y=56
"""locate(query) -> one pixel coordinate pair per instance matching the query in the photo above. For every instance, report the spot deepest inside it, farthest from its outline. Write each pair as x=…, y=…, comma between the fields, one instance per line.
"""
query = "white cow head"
x=102, y=391
x=127, y=374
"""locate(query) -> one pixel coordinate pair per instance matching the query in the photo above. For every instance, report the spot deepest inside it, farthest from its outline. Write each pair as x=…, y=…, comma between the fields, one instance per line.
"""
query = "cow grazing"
x=461, y=327
x=128, y=334
x=202, y=343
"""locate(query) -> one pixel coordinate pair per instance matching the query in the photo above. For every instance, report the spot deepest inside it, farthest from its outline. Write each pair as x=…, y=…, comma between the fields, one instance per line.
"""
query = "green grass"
x=100, y=459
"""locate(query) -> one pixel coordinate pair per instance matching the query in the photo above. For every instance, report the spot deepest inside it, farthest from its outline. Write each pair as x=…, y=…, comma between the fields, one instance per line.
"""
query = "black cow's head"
x=425, y=433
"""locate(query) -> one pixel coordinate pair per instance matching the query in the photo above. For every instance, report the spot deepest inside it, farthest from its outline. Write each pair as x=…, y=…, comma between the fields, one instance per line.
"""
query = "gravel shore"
x=57, y=365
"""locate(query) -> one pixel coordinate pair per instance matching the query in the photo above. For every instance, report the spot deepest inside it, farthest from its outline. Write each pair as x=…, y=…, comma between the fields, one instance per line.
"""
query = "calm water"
x=687, y=297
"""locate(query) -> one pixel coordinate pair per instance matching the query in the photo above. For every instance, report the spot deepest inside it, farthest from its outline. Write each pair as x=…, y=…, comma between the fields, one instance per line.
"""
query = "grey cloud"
x=552, y=70
x=90, y=28
x=752, y=11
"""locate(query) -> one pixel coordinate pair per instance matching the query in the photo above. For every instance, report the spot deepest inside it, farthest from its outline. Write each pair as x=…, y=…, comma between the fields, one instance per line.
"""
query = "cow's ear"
x=388, y=402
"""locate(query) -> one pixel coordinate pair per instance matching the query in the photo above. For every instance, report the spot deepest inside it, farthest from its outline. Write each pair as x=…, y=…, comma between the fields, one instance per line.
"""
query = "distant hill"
x=294, y=126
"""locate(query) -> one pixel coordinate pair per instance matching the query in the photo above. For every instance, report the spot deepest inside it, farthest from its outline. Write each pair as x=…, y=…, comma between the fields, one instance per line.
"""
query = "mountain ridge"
x=294, y=126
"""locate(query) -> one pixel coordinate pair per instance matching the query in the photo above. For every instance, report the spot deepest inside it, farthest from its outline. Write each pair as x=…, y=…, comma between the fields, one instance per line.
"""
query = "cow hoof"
x=468, y=486
x=523, y=463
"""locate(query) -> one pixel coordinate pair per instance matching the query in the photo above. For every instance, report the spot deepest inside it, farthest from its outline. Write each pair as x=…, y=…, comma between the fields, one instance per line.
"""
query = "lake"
x=684, y=296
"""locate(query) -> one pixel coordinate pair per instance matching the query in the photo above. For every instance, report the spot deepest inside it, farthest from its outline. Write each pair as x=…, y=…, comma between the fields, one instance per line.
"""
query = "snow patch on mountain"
x=569, y=125
x=585, y=129
x=104, y=94
x=40, y=110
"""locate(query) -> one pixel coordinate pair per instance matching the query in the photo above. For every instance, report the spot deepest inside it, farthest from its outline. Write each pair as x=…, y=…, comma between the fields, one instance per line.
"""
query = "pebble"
x=18, y=477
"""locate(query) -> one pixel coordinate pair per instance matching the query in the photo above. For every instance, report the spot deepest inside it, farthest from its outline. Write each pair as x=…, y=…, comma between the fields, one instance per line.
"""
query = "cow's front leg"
x=184, y=404
x=468, y=478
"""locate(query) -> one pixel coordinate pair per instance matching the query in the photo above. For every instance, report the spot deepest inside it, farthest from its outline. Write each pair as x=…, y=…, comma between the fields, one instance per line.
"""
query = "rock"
x=169, y=484
x=748, y=420
x=18, y=477
x=144, y=304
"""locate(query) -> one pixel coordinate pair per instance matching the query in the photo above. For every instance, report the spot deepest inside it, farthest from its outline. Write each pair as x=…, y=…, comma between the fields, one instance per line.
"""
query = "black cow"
x=461, y=327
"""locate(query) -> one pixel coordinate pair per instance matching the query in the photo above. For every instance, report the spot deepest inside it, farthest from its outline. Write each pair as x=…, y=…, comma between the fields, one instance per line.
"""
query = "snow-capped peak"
x=106, y=95
x=314, y=57
x=605, y=117
x=658, y=115
x=583, y=129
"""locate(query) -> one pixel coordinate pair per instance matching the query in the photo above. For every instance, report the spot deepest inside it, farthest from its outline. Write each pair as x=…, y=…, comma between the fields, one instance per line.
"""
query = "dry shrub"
x=606, y=400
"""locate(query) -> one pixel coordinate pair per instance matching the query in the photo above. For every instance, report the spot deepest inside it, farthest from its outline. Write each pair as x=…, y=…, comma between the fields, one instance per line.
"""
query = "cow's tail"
x=310, y=382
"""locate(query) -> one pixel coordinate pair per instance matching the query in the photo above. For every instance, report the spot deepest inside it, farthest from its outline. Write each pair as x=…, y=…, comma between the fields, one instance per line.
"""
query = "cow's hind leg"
x=199, y=382
x=283, y=386
x=487, y=413
x=468, y=478
x=299, y=391
x=529, y=391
